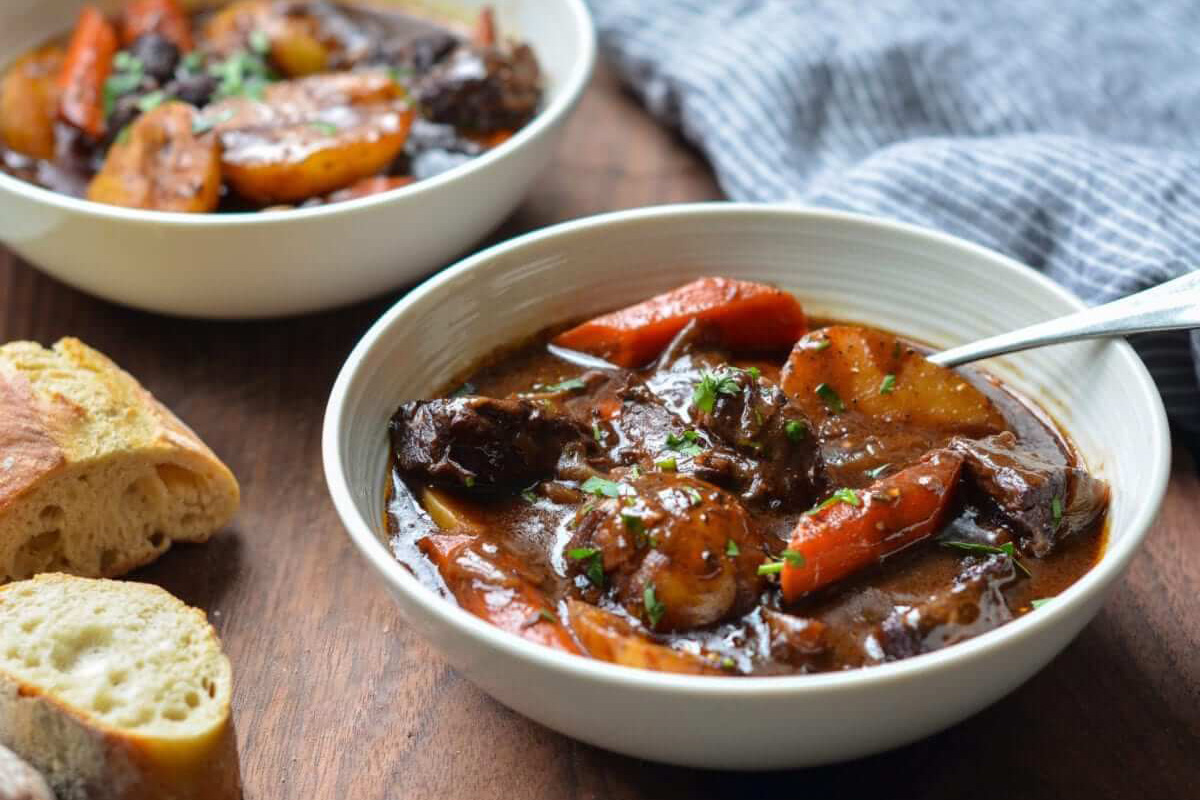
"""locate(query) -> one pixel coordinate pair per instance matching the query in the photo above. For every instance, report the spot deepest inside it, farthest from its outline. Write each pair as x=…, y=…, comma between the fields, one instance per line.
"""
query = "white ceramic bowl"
x=924, y=284
x=287, y=262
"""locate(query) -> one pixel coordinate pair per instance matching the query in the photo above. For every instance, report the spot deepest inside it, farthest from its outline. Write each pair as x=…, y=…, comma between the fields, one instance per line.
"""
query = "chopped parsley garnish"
x=633, y=523
x=731, y=549
x=469, y=481
x=667, y=464
x=597, y=432
x=711, y=384
x=123, y=135
x=595, y=564
x=126, y=77
x=259, y=42
x=694, y=494
x=822, y=344
x=686, y=443
x=830, y=396
x=1006, y=549
x=1040, y=602
x=792, y=558
x=875, y=473
x=654, y=608
x=1056, y=511
x=847, y=496
x=600, y=486
x=754, y=372
x=888, y=385
x=151, y=101
x=569, y=385
x=548, y=616
x=728, y=663
x=322, y=127
x=527, y=494
x=400, y=74
x=192, y=62
x=795, y=429
x=243, y=74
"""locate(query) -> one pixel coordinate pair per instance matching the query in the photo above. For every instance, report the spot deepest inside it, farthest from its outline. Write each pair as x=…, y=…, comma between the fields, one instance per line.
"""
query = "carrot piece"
x=484, y=32
x=164, y=17
x=748, y=315
x=496, y=587
x=845, y=536
x=84, y=71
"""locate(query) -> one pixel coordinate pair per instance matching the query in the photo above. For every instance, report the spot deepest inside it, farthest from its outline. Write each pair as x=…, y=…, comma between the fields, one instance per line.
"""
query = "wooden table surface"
x=335, y=698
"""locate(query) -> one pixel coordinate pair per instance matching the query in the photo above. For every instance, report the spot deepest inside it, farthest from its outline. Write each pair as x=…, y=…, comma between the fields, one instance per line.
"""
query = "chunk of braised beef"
x=482, y=90
x=471, y=441
x=751, y=414
x=158, y=55
x=798, y=641
x=194, y=88
x=974, y=604
x=426, y=51
x=1042, y=502
x=674, y=551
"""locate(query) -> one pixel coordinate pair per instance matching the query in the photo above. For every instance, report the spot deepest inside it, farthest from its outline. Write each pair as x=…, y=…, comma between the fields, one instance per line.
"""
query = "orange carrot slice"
x=854, y=529
x=164, y=17
x=749, y=316
x=84, y=71
x=495, y=587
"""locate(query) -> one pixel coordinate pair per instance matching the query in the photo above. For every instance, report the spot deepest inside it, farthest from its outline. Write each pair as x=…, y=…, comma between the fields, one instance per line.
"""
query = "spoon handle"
x=1173, y=305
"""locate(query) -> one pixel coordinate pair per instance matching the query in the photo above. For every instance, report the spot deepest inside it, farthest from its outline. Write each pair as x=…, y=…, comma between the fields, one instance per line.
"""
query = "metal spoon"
x=1174, y=305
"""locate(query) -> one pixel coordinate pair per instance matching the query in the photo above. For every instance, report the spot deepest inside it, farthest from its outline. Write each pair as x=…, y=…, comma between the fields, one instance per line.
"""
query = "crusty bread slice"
x=96, y=476
x=19, y=781
x=115, y=691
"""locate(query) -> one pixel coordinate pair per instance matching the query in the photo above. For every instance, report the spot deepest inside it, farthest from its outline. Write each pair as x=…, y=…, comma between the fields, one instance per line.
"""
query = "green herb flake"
x=595, y=564
x=259, y=42
x=795, y=430
x=712, y=384
x=597, y=432
x=569, y=385
x=667, y=464
x=878, y=471
x=324, y=128
x=1039, y=602
x=581, y=553
x=830, y=396
x=469, y=481
x=687, y=443
x=728, y=663
x=754, y=372
x=151, y=101
x=1056, y=511
x=126, y=77
x=528, y=495
x=693, y=494
x=633, y=523
x=600, y=486
x=654, y=608
x=193, y=61
x=789, y=557
x=203, y=124
x=770, y=568
x=847, y=496
x=123, y=135
x=465, y=390
x=731, y=549
x=1006, y=549
x=822, y=344
x=547, y=615
x=888, y=385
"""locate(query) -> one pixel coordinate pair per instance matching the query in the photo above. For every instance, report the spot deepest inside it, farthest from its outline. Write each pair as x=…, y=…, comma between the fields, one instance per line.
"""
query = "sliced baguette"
x=19, y=781
x=96, y=476
x=115, y=691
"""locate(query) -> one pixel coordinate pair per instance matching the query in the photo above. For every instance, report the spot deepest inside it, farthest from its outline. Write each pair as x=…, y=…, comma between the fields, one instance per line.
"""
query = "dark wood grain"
x=336, y=699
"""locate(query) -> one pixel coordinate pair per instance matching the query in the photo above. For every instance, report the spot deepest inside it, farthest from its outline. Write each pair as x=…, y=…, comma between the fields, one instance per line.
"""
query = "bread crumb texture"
x=129, y=657
x=128, y=478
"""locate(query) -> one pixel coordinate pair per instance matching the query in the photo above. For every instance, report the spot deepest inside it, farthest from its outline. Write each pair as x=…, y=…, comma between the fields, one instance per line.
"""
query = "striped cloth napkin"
x=1063, y=134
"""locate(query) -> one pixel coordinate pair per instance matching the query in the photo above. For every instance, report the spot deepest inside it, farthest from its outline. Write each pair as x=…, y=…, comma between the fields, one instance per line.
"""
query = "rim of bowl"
x=576, y=81
x=1112, y=563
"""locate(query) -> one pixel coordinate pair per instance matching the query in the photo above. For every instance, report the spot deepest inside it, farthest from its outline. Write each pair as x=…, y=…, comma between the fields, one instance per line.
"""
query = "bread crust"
x=72, y=412
x=84, y=758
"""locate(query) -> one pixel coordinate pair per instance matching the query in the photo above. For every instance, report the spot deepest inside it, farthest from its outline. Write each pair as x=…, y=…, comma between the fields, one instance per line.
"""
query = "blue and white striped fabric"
x=1065, y=134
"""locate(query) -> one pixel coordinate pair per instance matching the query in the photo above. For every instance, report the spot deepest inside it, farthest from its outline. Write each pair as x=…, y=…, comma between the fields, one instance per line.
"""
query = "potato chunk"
x=304, y=38
x=608, y=637
x=311, y=136
x=847, y=368
x=29, y=103
x=161, y=164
